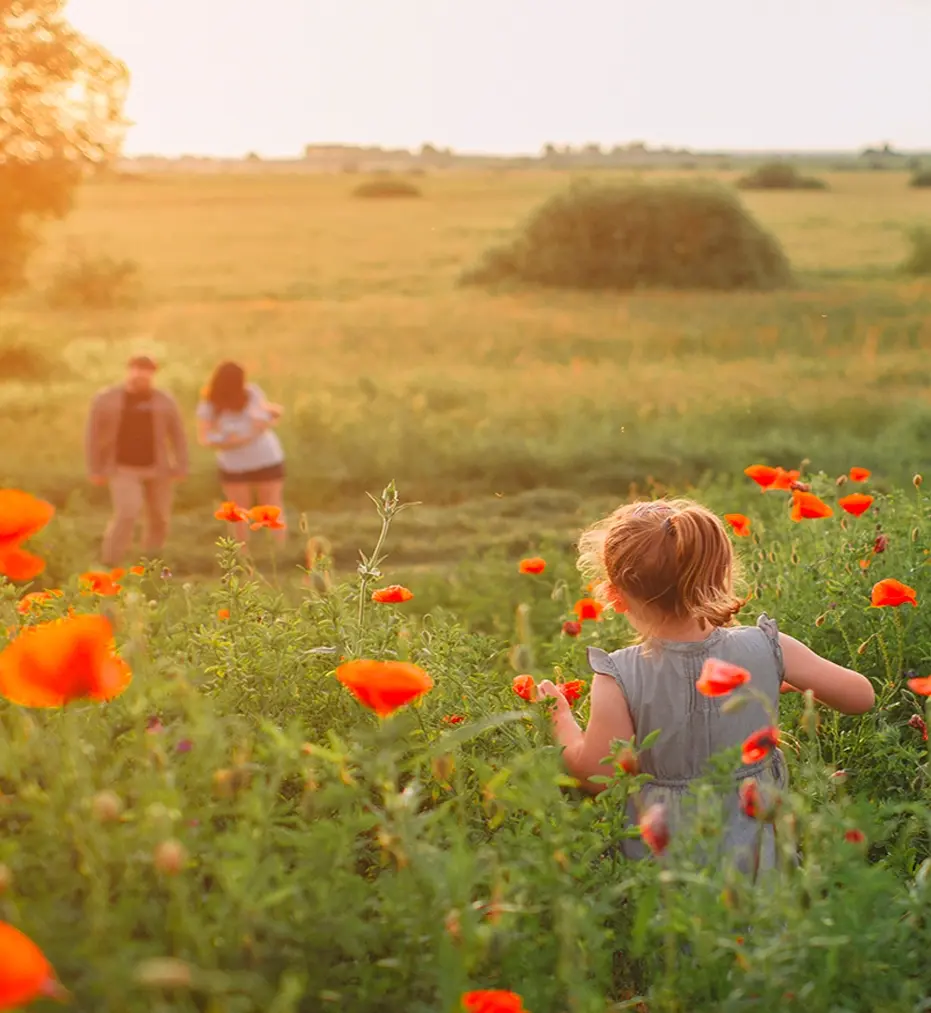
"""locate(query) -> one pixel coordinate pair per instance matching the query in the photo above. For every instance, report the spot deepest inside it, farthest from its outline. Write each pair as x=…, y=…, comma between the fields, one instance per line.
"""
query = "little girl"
x=669, y=567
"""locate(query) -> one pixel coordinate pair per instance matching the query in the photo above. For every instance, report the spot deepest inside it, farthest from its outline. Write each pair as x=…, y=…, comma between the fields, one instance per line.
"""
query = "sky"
x=225, y=77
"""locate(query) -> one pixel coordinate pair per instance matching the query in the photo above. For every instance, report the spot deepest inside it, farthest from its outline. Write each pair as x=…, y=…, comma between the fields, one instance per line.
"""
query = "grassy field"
x=511, y=415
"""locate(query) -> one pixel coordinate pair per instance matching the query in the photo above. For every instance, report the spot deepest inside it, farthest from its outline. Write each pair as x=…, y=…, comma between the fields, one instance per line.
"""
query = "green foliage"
x=630, y=236
x=918, y=261
x=235, y=832
x=921, y=178
x=61, y=114
x=24, y=360
x=387, y=187
x=95, y=283
x=779, y=176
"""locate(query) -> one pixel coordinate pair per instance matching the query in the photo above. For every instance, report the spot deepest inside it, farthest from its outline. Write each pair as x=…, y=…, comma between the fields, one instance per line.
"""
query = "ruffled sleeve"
x=770, y=629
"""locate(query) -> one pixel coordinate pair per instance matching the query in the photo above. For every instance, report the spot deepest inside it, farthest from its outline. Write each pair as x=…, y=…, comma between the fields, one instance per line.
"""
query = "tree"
x=61, y=103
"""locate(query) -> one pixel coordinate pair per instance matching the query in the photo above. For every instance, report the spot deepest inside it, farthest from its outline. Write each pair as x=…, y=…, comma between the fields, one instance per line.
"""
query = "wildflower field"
x=233, y=784
x=338, y=801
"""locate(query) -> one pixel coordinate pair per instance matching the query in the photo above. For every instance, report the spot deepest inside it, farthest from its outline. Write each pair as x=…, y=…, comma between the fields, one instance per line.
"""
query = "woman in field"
x=236, y=421
x=669, y=567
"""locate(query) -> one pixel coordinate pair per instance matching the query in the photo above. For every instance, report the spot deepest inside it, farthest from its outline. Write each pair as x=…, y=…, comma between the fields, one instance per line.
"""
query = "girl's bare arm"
x=840, y=688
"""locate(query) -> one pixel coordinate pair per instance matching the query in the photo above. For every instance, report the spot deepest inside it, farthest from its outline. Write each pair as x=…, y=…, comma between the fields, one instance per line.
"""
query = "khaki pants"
x=134, y=491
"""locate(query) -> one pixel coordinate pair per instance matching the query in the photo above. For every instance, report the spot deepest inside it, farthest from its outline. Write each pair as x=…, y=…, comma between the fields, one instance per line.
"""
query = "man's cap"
x=143, y=362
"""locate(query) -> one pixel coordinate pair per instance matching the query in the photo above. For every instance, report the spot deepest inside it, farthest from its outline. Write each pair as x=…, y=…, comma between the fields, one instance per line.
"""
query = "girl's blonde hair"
x=671, y=557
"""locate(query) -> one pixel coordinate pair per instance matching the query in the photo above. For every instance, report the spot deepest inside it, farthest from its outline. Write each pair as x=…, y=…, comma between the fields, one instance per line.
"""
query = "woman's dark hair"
x=227, y=388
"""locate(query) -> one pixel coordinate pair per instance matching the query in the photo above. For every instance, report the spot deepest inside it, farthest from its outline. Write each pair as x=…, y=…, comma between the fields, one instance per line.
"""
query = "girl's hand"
x=547, y=688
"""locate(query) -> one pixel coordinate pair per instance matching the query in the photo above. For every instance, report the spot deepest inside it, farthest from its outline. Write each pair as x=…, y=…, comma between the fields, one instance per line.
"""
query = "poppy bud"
x=842, y=480
x=559, y=857
x=628, y=762
x=170, y=857
x=916, y=481
x=443, y=767
x=881, y=544
x=820, y=620
x=223, y=784
x=800, y=486
x=914, y=534
x=571, y=628
x=861, y=650
x=164, y=972
x=839, y=776
x=654, y=829
x=917, y=722
x=106, y=806
x=453, y=925
x=6, y=878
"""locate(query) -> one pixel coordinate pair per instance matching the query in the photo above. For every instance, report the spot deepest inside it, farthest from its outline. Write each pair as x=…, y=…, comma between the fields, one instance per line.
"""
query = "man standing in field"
x=136, y=444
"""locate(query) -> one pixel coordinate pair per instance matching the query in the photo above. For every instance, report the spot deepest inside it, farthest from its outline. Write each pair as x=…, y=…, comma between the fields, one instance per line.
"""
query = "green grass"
x=349, y=314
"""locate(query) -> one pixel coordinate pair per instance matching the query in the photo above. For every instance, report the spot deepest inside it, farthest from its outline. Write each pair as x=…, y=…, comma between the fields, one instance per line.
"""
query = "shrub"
x=922, y=178
x=23, y=361
x=634, y=235
x=387, y=188
x=98, y=283
x=918, y=261
x=779, y=176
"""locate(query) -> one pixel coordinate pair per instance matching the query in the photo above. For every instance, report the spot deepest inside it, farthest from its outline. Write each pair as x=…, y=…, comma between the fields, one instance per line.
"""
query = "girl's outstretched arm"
x=840, y=688
x=610, y=720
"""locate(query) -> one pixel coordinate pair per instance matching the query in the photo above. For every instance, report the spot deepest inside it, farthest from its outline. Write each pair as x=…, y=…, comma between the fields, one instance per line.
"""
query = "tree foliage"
x=61, y=101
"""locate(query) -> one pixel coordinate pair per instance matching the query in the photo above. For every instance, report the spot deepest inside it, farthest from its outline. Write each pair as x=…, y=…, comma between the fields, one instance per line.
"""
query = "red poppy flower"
x=917, y=722
x=137, y=571
x=572, y=690
x=921, y=686
x=860, y=474
x=857, y=503
x=453, y=719
x=21, y=516
x=492, y=1001
x=881, y=544
x=588, y=608
x=31, y=604
x=18, y=564
x=67, y=659
x=784, y=480
x=762, y=474
x=525, y=687
x=854, y=837
x=751, y=803
x=223, y=613
x=654, y=829
x=891, y=593
x=231, y=513
x=532, y=565
x=807, y=506
x=571, y=628
x=25, y=973
x=101, y=582
x=718, y=678
x=384, y=686
x=759, y=745
x=266, y=517
x=739, y=523
x=628, y=762
x=392, y=595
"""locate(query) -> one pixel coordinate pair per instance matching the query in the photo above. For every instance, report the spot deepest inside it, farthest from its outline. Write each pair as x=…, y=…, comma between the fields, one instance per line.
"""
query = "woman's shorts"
x=273, y=473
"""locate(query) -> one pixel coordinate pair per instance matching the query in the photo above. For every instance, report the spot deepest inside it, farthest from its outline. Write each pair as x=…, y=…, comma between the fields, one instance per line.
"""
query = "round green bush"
x=922, y=178
x=387, y=188
x=779, y=176
x=634, y=235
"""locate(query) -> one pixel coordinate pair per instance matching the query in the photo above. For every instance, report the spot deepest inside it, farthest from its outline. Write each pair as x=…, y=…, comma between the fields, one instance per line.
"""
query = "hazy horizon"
x=508, y=76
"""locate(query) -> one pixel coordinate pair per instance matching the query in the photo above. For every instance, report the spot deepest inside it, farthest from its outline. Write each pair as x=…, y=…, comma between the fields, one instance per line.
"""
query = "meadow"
x=237, y=832
x=506, y=412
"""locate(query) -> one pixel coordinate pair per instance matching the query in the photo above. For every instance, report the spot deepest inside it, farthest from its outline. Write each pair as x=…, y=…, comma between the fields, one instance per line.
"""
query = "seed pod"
x=106, y=806
x=170, y=857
